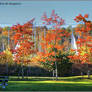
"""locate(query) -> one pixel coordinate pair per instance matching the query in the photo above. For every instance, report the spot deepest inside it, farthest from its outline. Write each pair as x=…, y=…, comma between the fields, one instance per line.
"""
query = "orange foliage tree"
x=84, y=41
x=51, y=44
x=23, y=39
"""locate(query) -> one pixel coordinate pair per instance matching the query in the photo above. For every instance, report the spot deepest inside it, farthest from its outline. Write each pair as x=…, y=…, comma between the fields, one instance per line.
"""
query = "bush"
x=64, y=65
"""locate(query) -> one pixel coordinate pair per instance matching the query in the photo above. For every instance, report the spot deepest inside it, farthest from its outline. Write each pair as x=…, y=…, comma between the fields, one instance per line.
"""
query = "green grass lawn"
x=48, y=84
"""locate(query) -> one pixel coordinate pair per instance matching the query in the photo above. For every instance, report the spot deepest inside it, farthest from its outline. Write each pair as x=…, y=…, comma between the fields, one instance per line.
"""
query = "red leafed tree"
x=23, y=38
x=84, y=41
x=51, y=42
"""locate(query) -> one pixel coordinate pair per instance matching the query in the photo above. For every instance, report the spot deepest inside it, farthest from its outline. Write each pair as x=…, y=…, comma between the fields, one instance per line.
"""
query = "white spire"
x=17, y=46
x=73, y=42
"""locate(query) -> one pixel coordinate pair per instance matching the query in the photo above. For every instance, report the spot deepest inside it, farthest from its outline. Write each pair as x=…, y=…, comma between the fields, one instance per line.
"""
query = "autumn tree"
x=51, y=43
x=23, y=39
x=84, y=41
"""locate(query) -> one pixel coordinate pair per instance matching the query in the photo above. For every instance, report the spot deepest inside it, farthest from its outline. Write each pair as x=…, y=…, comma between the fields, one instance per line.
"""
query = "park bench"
x=3, y=81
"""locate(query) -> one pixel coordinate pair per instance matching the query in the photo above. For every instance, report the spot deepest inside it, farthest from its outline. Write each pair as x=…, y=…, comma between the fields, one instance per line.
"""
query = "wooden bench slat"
x=3, y=80
x=3, y=76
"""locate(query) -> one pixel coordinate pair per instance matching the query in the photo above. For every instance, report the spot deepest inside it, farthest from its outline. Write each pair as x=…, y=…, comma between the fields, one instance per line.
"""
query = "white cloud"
x=4, y=25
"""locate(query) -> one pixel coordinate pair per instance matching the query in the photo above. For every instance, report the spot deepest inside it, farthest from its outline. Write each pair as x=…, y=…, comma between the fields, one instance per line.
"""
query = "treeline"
x=25, y=46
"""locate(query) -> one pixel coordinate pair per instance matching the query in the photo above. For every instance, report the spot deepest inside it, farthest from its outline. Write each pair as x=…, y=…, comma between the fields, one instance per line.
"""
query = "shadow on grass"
x=74, y=78
x=30, y=79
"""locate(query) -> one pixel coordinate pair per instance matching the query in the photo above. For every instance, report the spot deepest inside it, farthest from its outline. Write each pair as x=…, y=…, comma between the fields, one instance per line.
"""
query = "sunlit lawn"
x=48, y=84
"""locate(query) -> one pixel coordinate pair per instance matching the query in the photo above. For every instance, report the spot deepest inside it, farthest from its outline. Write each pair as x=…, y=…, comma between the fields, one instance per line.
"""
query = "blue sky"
x=12, y=14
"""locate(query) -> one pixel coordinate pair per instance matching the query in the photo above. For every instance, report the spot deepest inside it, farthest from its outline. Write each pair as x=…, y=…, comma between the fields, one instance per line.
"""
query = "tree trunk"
x=28, y=71
x=22, y=72
x=7, y=68
x=18, y=75
x=56, y=71
x=82, y=74
x=27, y=74
x=53, y=73
x=88, y=73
